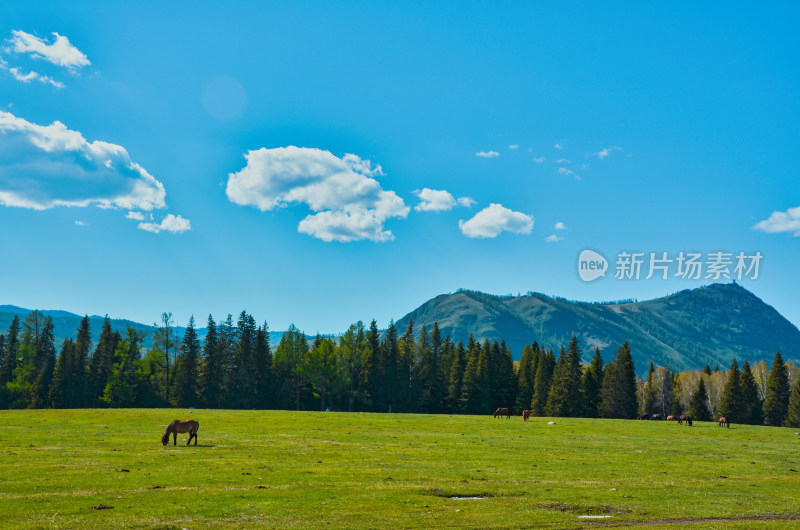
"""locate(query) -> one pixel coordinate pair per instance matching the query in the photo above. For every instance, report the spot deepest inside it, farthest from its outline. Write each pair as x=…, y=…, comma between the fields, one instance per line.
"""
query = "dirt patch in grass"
x=583, y=509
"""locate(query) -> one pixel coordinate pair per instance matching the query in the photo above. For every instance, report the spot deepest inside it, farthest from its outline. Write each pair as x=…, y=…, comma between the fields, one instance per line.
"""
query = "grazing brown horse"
x=525, y=415
x=190, y=426
x=685, y=418
x=671, y=418
x=655, y=417
x=643, y=416
x=723, y=422
x=503, y=411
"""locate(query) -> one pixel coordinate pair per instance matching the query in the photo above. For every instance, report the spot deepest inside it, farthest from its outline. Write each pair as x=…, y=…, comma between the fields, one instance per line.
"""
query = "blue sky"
x=273, y=157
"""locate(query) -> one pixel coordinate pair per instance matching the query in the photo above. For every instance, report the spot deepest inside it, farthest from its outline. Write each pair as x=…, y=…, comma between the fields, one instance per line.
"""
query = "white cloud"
x=439, y=200
x=539, y=160
x=513, y=146
x=788, y=221
x=552, y=238
x=494, y=219
x=31, y=76
x=434, y=200
x=350, y=203
x=565, y=171
x=170, y=223
x=60, y=52
x=563, y=161
x=136, y=216
x=560, y=226
x=607, y=151
x=46, y=166
x=558, y=146
x=81, y=223
x=487, y=154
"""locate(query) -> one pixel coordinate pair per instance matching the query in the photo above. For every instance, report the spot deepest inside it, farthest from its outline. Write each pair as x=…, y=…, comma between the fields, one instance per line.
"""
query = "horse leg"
x=174, y=439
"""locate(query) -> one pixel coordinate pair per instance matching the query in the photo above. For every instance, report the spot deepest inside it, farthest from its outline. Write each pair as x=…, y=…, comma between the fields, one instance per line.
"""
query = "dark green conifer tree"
x=541, y=383
x=618, y=393
x=525, y=379
x=752, y=407
x=470, y=401
x=78, y=384
x=57, y=395
x=776, y=400
x=263, y=368
x=698, y=405
x=101, y=363
x=187, y=376
x=9, y=360
x=731, y=404
x=793, y=414
x=45, y=365
x=390, y=353
x=651, y=391
x=212, y=376
x=373, y=368
x=592, y=383
x=456, y=378
x=564, y=399
x=290, y=353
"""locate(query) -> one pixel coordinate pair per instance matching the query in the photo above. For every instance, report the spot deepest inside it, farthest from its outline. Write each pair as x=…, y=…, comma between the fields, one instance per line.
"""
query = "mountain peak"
x=712, y=324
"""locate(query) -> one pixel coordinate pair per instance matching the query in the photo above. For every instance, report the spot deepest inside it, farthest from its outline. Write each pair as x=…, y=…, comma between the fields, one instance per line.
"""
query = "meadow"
x=313, y=470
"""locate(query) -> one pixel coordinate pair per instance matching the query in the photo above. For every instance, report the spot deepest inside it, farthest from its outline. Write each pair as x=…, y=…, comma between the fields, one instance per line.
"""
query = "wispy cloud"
x=136, y=216
x=539, y=160
x=777, y=222
x=559, y=146
x=607, y=151
x=81, y=223
x=170, y=223
x=466, y=201
x=487, y=154
x=563, y=161
x=349, y=202
x=565, y=171
x=513, y=146
x=493, y=220
x=560, y=226
x=552, y=238
x=31, y=76
x=59, y=52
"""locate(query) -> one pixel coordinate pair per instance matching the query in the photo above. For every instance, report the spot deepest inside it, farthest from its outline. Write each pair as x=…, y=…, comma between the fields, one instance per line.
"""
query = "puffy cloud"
x=560, y=226
x=170, y=223
x=434, y=200
x=60, y=52
x=558, y=146
x=51, y=165
x=439, y=200
x=494, y=219
x=552, y=238
x=788, y=221
x=350, y=203
x=487, y=154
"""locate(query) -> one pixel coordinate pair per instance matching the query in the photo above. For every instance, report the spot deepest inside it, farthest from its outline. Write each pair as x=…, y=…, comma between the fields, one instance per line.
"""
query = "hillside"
x=686, y=330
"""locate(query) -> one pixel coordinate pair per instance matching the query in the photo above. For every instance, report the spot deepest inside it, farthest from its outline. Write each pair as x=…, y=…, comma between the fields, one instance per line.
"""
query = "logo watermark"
x=713, y=266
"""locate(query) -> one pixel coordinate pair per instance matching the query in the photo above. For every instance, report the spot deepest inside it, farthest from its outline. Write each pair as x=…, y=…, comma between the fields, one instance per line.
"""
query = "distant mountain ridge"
x=686, y=330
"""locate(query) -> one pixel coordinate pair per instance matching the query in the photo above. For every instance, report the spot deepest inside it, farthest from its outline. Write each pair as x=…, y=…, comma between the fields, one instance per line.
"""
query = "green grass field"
x=305, y=469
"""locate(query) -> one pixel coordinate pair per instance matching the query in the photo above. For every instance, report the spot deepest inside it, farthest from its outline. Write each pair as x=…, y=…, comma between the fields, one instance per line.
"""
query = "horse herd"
x=683, y=418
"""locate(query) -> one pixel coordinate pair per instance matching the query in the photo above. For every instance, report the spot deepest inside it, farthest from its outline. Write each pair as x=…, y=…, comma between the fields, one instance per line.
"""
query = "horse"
x=526, y=414
x=190, y=426
x=723, y=422
x=655, y=417
x=643, y=416
x=671, y=418
x=685, y=418
x=503, y=411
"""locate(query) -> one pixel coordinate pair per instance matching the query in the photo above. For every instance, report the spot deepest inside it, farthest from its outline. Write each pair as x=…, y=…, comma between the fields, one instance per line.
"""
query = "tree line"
x=365, y=370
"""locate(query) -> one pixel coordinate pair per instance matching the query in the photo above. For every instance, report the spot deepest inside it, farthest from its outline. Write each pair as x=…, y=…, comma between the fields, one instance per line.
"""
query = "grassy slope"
x=384, y=470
